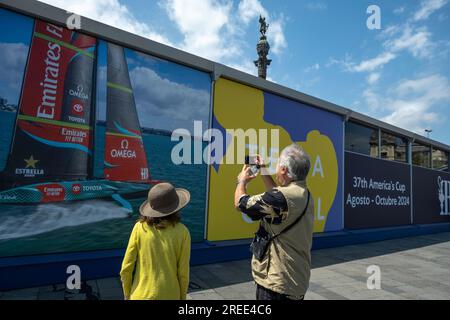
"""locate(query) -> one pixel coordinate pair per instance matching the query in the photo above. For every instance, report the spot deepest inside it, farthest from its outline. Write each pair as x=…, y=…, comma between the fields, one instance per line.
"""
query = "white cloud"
x=373, y=78
x=204, y=24
x=416, y=41
x=12, y=60
x=397, y=39
x=13, y=57
x=428, y=7
x=390, y=31
x=213, y=29
x=372, y=64
x=332, y=62
x=110, y=12
x=219, y=37
x=276, y=34
x=433, y=88
x=399, y=10
x=206, y=27
x=161, y=103
x=251, y=9
x=314, y=67
x=245, y=66
x=159, y=99
x=372, y=99
x=411, y=103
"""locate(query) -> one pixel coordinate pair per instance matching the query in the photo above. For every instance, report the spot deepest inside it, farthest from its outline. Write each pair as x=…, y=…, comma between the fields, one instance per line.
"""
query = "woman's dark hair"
x=161, y=223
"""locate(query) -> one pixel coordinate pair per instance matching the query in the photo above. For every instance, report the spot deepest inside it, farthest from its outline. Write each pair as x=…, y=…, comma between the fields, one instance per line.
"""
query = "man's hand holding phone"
x=246, y=175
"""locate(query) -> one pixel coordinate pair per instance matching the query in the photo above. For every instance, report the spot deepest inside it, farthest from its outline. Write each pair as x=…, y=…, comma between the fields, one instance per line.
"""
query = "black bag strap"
x=296, y=221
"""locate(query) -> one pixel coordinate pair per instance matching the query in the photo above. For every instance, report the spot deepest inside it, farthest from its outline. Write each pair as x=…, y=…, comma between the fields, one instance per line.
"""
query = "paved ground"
x=411, y=268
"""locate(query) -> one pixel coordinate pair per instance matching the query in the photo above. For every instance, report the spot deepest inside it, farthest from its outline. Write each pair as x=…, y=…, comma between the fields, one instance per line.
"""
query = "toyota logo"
x=76, y=189
x=78, y=108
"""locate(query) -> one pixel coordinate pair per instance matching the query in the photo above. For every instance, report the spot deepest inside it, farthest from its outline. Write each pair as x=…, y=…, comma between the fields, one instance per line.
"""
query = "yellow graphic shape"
x=31, y=163
x=241, y=107
x=323, y=177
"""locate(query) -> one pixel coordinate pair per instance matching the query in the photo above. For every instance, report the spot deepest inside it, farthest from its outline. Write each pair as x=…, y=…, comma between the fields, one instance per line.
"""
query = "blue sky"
x=13, y=53
x=399, y=74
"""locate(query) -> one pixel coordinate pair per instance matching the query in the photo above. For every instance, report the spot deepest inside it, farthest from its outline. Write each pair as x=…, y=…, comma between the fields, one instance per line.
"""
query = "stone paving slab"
x=411, y=268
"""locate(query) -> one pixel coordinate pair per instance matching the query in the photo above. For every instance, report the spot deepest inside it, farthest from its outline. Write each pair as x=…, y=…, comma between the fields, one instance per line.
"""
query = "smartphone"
x=251, y=161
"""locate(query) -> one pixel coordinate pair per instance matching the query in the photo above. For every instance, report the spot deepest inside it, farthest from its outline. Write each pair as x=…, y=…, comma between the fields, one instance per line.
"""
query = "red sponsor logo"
x=76, y=189
x=127, y=158
x=47, y=68
x=52, y=192
x=77, y=108
x=58, y=134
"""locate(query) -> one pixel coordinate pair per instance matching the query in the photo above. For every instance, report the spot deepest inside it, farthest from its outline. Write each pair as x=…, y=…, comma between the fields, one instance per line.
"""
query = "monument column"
x=263, y=49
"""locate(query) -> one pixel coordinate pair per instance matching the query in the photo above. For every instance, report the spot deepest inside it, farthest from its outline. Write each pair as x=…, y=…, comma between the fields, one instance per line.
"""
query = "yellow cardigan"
x=161, y=259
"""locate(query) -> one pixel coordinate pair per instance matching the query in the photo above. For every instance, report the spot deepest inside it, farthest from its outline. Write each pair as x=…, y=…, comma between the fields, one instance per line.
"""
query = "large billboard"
x=239, y=107
x=86, y=131
x=431, y=192
x=377, y=192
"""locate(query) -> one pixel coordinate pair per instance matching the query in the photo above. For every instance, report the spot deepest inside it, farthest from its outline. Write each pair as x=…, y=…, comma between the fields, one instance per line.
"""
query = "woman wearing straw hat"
x=159, y=248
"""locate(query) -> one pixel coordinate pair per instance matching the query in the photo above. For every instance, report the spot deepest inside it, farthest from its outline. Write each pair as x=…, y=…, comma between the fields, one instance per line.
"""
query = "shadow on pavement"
x=238, y=272
x=331, y=256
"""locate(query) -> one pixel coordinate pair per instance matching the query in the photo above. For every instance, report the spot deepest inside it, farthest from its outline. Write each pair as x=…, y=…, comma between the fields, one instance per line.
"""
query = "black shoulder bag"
x=263, y=239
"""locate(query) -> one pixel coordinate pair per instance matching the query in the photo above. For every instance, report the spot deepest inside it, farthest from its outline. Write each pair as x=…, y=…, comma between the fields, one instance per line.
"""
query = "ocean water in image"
x=95, y=224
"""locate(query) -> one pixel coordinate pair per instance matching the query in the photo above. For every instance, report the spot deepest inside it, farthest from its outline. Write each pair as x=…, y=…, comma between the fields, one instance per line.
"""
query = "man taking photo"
x=281, y=264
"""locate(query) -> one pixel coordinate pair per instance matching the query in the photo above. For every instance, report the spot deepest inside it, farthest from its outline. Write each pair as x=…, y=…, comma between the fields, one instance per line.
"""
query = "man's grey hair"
x=295, y=159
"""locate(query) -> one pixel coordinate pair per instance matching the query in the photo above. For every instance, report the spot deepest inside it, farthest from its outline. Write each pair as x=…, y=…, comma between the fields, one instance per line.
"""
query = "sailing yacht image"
x=51, y=154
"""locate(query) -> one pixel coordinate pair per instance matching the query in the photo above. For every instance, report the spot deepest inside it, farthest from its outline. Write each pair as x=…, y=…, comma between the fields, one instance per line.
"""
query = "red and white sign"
x=127, y=159
x=52, y=193
x=77, y=108
x=76, y=189
x=44, y=84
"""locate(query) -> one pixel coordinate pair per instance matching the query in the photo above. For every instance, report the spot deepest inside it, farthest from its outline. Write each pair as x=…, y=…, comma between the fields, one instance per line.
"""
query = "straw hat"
x=164, y=200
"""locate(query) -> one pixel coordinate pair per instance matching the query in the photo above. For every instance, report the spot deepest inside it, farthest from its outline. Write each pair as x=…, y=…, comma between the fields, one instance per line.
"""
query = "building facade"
x=87, y=117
